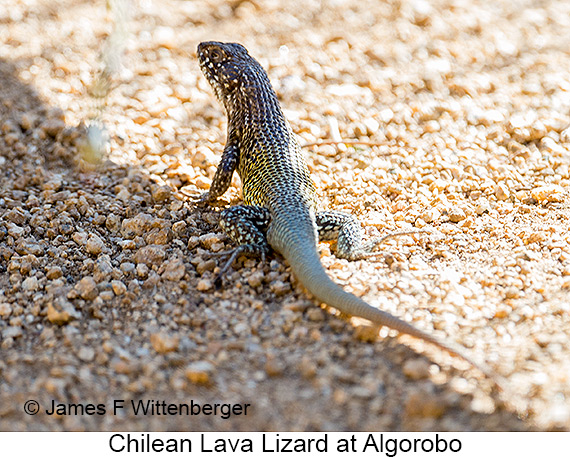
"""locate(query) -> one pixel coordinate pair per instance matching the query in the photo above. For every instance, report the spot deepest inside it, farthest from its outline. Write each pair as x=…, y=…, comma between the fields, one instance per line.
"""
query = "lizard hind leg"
x=246, y=226
x=346, y=229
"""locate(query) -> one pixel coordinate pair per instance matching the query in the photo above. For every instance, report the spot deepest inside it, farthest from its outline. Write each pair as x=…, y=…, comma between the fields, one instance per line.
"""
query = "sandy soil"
x=106, y=272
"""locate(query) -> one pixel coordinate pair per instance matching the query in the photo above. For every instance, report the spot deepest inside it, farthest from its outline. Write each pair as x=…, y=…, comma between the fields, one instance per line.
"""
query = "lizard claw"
x=234, y=254
x=201, y=199
x=368, y=248
x=222, y=253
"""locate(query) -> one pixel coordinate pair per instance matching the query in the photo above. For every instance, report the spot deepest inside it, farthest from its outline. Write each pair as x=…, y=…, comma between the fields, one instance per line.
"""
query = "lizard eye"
x=216, y=56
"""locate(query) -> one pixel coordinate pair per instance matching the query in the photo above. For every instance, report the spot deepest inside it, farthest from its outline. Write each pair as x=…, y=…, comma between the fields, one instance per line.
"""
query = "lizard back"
x=271, y=165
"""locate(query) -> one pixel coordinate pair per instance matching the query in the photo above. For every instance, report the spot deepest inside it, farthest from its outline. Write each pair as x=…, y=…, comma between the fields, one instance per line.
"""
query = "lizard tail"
x=302, y=255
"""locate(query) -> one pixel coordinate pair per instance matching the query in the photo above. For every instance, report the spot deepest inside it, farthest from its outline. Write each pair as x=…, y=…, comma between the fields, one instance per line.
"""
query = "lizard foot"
x=202, y=199
x=248, y=249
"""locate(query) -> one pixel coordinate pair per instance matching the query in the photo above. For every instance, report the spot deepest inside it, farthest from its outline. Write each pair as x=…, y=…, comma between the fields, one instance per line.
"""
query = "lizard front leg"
x=224, y=172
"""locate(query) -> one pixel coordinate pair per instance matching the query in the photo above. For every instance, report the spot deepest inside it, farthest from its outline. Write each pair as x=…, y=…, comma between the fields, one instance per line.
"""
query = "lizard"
x=280, y=209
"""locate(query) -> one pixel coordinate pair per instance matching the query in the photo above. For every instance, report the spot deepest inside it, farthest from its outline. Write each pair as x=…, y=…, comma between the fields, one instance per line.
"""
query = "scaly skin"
x=280, y=199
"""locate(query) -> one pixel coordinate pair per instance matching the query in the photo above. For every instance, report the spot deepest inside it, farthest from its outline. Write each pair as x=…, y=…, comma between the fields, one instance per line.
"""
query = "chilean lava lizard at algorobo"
x=280, y=209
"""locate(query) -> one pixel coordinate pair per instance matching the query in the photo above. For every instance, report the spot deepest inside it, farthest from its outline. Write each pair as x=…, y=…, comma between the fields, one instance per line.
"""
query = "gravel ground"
x=106, y=271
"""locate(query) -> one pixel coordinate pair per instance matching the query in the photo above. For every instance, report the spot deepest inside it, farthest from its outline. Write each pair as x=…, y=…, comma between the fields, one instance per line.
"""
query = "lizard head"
x=229, y=69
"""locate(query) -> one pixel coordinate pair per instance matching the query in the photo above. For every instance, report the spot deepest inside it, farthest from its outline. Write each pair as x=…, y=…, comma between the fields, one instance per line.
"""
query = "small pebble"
x=274, y=367
x=199, y=372
x=307, y=368
x=174, y=270
x=456, y=214
x=94, y=245
x=61, y=312
x=315, y=314
x=163, y=343
x=30, y=284
x=5, y=310
x=208, y=240
x=86, y=354
x=54, y=273
x=150, y=255
x=204, y=285
x=424, y=405
x=119, y=287
x=255, y=279
x=416, y=369
x=279, y=288
x=366, y=333
x=87, y=288
x=502, y=191
x=206, y=265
